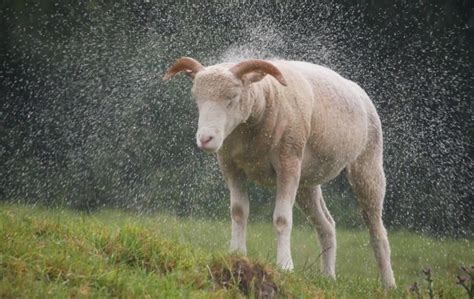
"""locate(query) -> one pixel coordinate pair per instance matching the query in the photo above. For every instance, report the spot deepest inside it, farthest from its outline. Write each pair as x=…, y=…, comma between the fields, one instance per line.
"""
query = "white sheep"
x=295, y=130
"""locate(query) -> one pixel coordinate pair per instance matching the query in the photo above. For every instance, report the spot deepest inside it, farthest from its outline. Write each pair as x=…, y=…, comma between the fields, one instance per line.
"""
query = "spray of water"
x=87, y=121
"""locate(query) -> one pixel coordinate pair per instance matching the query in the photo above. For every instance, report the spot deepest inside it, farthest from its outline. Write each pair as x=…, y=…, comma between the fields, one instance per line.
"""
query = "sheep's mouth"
x=210, y=147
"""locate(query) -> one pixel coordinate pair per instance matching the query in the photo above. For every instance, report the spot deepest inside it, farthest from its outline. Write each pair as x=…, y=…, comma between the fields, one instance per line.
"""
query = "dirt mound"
x=248, y=276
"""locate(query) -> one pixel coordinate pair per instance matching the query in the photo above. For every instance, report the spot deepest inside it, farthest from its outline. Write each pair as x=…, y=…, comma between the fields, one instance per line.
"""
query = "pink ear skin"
x=187, y=65
x=190, y=74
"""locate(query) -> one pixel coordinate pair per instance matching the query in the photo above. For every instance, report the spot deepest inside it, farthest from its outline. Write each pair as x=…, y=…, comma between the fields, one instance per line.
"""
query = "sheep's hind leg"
x=311, y=202
x=367, y=179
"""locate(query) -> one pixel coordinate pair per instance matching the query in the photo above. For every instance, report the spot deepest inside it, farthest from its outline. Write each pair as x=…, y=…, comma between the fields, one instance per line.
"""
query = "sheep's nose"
x=204, y=139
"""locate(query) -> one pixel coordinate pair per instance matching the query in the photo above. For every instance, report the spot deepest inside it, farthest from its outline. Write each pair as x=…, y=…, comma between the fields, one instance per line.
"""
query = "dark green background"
x=86, y=121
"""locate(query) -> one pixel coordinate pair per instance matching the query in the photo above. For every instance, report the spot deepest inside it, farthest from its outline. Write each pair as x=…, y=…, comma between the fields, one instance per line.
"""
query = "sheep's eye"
x=231, y=101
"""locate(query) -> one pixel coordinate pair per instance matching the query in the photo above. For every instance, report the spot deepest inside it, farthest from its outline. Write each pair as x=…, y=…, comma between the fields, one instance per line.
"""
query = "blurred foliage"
x=86, y=121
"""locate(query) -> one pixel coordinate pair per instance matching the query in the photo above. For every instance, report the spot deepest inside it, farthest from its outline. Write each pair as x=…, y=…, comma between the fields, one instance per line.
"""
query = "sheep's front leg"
x=239, y=210
x=239, y=205
x=288, y=175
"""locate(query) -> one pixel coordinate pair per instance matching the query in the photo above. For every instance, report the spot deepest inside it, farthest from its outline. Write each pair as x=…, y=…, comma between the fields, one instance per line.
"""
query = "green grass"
x=61, y=253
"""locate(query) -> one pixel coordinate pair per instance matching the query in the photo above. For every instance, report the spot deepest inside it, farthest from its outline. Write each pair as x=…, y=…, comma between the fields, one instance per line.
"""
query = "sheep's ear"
x=253, y=77
x=257, y=69
x=185, y=64
x=190, y=73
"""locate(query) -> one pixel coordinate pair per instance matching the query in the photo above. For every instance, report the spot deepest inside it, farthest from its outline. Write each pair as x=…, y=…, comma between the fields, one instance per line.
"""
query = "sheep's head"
x=218, y=92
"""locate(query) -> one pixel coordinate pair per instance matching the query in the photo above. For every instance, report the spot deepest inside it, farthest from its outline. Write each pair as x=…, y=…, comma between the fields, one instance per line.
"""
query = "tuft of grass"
x=61, y=253
x=45, y=253
x=251, y=278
